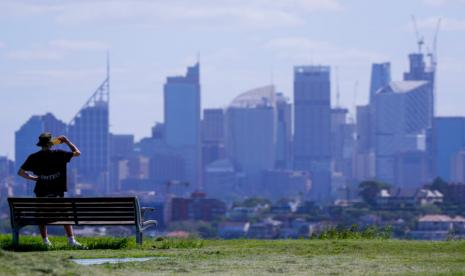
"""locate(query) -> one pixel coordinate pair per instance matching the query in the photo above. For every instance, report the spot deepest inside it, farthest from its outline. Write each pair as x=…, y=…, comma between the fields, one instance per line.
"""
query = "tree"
x=369, y=189
x=439, y=184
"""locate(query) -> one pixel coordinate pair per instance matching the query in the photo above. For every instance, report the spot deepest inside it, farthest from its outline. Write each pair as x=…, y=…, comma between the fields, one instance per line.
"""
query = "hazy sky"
x=52, y=53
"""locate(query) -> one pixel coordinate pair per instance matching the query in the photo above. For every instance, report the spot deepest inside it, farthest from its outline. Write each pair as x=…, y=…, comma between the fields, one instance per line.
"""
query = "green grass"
x=237, y=257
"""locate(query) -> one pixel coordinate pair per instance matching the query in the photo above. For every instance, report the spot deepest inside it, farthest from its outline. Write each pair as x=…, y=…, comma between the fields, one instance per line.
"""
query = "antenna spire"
x=108, y=65
x=338, y=94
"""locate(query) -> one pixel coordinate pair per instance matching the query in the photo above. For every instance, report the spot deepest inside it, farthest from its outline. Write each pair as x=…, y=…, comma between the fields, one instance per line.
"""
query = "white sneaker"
x=48, y=244
x=76, y=244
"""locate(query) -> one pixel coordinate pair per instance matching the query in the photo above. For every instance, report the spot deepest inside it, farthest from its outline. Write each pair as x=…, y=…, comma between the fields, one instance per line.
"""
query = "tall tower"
x=402, y=118
x=380, y=77
x=283, y=132
x=420, y=71
x=312, y=130
x=448, y=139
x=212, y=136
x=182, y=121
x=89, y=130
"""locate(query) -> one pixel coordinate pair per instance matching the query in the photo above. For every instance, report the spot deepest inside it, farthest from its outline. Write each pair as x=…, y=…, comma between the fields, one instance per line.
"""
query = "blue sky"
x=52, y=53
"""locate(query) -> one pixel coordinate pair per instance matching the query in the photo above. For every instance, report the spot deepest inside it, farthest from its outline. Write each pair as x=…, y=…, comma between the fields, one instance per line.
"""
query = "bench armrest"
x=146, y=209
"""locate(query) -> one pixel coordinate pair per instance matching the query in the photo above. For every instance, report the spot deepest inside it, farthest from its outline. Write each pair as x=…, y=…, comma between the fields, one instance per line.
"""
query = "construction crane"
x=433, y=53
x=420, y=39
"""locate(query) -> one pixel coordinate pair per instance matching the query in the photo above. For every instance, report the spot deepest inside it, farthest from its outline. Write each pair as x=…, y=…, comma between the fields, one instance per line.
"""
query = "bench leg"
x=139, y=237
x=15, y=236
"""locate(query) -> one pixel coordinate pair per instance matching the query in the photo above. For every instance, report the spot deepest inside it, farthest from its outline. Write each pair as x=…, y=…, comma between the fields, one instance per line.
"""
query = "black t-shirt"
x=50, y=167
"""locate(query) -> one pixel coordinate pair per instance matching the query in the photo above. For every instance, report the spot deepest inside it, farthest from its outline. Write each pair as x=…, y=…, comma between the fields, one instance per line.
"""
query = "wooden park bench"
x=89, y=211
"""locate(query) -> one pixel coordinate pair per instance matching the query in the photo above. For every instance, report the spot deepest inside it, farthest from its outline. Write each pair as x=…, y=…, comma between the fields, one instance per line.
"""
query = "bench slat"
x=116, y=222
x=43, y=205
x=86, y=212
x=71, y=199
x=65, y=204
x=78, y=209
x=72, y=222
x=116, y=209
x=77, y=216
x=42, y=215
x=119, y=205
x=42, y=210
x=37, y=220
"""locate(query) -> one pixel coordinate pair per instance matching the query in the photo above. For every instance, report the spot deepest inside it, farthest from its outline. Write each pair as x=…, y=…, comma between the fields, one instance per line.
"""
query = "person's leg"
x=43, y=231
x=69, y=231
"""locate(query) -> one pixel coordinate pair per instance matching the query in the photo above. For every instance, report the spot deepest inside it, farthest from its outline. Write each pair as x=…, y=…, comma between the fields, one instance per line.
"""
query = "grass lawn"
x=237, y=257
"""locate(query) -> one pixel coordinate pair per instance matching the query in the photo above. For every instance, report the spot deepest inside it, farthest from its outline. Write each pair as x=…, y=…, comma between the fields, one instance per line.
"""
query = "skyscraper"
x=26, y=139
x=342, y=142
x=283, y=132
x=402, y=118
x=448, y=140
x=182, y=121
x=312, y=129
x=251, y=134
x=338, y=124
x=212, y=136
x=364, y=160
x=380, y=77
x=364, y=129
x=420, y=71
x=7, y=173
x=89, y=130
x=213, y=124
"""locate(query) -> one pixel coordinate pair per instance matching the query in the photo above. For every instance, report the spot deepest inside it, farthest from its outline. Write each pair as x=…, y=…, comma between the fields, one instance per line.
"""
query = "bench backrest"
x=74, y=211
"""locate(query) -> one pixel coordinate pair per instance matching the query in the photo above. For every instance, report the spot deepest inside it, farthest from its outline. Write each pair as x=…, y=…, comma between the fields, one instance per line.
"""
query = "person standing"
x=47, y=168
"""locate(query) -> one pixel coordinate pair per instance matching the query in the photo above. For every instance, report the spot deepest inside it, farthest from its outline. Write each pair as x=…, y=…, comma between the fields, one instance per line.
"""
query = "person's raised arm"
x=27, y=175
x=72, y=147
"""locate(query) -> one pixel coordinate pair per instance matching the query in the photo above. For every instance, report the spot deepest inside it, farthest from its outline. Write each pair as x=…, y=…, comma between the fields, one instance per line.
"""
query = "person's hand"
x=63, y=139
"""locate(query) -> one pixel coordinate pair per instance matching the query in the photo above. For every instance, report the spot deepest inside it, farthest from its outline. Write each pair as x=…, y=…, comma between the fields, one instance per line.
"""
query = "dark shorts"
x=50, y=194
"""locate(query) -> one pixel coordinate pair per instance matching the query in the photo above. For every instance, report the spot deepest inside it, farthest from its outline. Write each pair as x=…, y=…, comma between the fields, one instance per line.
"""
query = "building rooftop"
x=257, y=97
x=401, y=86
x=311, y=69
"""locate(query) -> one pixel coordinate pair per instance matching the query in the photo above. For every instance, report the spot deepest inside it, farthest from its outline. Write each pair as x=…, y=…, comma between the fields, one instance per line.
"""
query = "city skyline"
x=65, y=64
